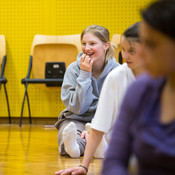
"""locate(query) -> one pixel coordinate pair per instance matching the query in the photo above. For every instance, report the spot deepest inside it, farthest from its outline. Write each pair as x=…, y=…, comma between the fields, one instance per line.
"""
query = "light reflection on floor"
x=33, y=149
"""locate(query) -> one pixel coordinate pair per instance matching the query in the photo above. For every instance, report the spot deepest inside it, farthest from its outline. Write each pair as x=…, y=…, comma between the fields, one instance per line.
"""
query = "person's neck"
x=137, y=71
x=97, y=69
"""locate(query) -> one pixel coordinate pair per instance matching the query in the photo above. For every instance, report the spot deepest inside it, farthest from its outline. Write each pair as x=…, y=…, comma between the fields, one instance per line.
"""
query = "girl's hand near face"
x=86, y=63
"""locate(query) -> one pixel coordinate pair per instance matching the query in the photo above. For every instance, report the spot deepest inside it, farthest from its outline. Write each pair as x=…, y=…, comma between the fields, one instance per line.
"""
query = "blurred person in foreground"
x=146, y=123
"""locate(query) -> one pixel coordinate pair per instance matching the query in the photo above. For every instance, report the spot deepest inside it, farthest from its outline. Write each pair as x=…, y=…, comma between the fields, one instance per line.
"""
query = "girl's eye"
x=92, y=44
x=132, y=52
x=83, y=44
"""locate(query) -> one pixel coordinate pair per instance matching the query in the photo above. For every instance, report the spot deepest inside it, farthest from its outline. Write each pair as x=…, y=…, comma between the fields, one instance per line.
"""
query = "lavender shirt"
x=139, y=131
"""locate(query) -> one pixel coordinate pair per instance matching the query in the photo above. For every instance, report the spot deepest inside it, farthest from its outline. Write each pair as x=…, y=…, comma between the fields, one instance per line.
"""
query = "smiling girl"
x=81, y=87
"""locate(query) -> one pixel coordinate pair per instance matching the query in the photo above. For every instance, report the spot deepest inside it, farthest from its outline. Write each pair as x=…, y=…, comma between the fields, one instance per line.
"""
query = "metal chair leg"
x=30, y=118
x=8, y=106
x=25, y=92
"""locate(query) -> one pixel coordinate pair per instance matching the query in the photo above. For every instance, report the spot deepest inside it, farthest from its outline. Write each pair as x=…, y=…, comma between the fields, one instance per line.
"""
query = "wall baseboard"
x=25, y=120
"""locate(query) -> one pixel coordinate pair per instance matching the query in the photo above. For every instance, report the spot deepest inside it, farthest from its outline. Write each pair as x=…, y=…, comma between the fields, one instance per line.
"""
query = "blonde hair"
x=103, y=34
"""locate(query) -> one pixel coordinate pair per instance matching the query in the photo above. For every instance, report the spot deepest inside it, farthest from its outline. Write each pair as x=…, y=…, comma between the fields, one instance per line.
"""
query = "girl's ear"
x=107, y=45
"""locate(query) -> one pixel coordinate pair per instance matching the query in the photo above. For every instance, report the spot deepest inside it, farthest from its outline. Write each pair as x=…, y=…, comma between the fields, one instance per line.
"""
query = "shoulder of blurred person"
x=142, y=92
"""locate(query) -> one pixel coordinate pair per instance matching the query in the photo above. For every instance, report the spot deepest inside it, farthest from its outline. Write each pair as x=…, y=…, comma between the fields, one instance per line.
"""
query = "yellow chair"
x=115, y=40
x=3, y=80
x=48, y=49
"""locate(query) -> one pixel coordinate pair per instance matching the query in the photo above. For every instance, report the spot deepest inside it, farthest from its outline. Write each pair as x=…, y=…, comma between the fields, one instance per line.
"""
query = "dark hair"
x=132, y=32
x=161, y=16
x=103, y=34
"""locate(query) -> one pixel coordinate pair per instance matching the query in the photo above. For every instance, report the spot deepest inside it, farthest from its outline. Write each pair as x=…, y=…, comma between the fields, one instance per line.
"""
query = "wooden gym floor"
x=33, y=150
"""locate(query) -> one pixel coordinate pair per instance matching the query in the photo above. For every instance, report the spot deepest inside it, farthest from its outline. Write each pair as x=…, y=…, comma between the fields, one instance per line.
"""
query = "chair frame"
x=3, y=80
x=116, y=39
x=27, y=80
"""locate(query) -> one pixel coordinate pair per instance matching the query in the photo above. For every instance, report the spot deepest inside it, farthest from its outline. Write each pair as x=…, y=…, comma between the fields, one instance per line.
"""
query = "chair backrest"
x=2, y=49
x=49, y=48
x=115, y=40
